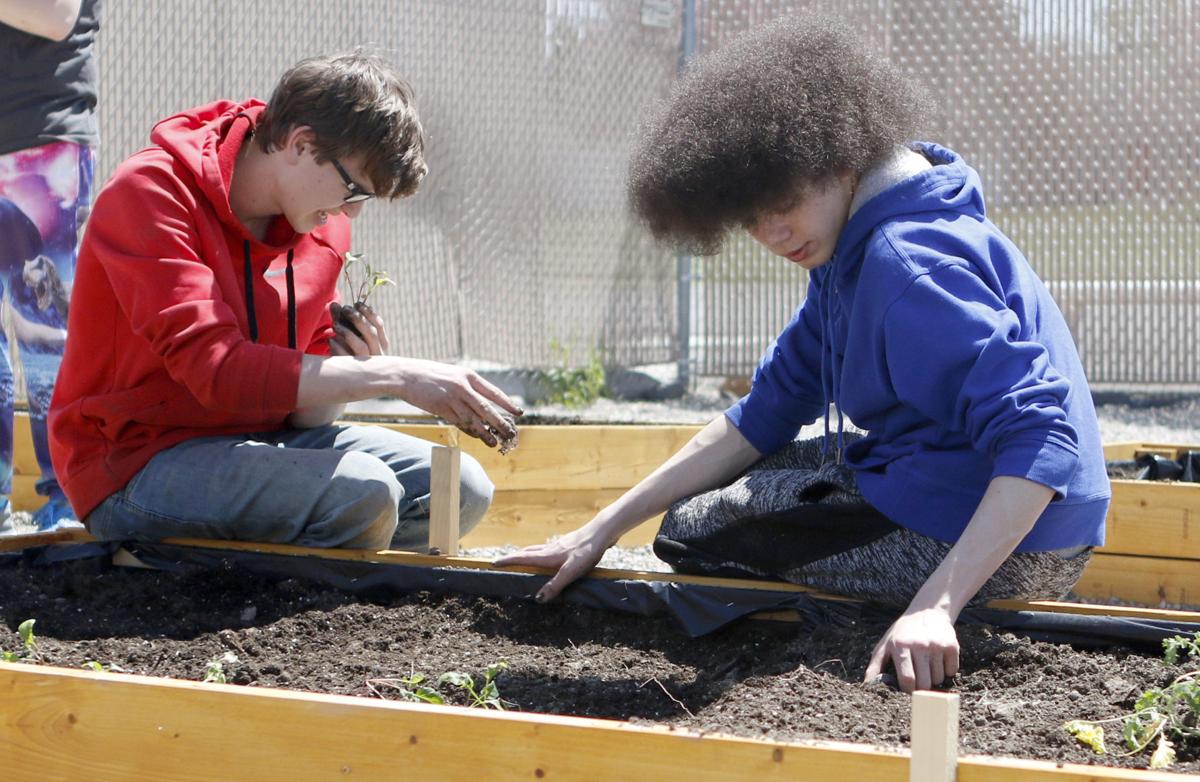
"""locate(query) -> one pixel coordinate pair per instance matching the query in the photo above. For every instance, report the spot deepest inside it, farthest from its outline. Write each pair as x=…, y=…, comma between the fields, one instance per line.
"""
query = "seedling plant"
x=417, y=687
x=361, y=278
x=28, y=651
x=1161, y=716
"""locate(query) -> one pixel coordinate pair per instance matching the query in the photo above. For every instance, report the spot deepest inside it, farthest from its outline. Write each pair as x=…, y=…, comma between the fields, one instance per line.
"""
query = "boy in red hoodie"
x=204, y=367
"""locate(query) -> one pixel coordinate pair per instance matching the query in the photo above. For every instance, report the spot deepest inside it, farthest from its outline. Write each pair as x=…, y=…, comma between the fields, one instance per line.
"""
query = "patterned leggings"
x=795, y=518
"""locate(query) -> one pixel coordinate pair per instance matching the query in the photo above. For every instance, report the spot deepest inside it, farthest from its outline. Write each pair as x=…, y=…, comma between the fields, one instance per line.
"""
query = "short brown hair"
x=357, y=105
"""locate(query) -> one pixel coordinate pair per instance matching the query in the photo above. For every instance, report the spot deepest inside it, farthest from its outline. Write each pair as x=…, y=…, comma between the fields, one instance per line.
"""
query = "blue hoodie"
x=929, y=329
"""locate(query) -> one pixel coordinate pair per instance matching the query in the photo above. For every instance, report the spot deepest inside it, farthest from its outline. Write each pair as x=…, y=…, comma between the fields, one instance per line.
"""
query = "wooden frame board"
x=57, y=723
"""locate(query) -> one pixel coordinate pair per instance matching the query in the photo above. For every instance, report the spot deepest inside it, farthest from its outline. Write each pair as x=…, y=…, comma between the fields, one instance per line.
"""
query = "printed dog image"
x=41, y=275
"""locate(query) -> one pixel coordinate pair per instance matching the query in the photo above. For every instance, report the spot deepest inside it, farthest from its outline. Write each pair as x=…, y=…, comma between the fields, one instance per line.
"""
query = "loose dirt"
x=755, y=678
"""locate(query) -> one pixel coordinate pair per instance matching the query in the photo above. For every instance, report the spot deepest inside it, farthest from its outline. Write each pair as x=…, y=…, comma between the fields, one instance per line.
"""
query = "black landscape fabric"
x=699, y=608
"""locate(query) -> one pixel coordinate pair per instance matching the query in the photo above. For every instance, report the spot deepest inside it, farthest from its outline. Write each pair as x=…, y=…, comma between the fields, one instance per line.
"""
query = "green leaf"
x=429, y=695
x=1147, y=700
x=93, y=665
x=26, y=631
x=457, y=679
x=1134, y=733
x=1164, y=754
x=10, y=657
x=1087, y=733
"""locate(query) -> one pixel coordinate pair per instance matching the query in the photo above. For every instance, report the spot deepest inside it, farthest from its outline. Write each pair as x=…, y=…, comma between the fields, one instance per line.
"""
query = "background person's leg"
x=6, y=429
x=40, y=292
x=409, y=460
x=237, y=488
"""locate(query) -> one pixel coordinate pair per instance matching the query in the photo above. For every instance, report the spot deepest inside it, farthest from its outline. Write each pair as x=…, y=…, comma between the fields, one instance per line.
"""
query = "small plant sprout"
x=361, y=278
x=572, y=387
x=99, y=667
x=1160, y=716
x=29, y=649
x=215, y=671
x=415, y=687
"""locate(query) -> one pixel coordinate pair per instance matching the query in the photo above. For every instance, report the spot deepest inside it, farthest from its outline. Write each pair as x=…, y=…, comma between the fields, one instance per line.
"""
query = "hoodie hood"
x=900, y=191
x=206, y=141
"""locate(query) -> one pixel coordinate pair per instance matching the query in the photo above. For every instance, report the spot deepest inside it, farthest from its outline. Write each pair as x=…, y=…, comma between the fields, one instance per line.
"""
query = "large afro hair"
x=751, y=127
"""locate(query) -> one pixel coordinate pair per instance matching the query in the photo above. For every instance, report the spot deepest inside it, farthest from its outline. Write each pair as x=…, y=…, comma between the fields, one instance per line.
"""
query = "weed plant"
x=1163, y=716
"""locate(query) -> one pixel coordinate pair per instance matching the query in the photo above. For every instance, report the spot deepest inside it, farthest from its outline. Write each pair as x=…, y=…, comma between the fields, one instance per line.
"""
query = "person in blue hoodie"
x=979, y=471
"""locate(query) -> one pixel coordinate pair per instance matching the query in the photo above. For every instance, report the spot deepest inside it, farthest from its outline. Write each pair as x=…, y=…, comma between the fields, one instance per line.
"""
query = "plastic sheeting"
x=698, y=608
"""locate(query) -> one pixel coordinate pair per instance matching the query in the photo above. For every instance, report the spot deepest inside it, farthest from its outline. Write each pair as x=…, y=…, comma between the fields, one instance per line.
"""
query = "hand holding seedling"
x=358, y=331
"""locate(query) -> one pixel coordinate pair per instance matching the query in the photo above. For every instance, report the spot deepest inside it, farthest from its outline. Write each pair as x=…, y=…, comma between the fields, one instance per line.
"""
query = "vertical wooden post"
x=934, y=737
x=444, y=499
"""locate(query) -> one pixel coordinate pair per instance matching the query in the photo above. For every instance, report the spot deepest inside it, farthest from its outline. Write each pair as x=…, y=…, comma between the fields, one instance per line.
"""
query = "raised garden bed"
x=772, y=686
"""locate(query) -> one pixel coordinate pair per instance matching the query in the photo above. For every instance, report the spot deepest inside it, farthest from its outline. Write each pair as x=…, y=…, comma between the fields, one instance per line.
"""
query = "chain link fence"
x=1082, y=116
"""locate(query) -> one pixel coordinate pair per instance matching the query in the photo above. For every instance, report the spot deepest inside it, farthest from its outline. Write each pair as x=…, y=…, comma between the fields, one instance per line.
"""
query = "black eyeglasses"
x=357, y=193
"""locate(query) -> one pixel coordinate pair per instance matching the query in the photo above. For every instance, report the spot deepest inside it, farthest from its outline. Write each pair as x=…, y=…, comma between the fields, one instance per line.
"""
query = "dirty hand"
x=462, y=398
x=922, y=647
x=574, y=554
x=357, y=331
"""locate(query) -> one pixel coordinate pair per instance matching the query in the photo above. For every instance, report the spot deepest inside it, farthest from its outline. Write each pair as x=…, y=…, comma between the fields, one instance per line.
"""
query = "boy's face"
x=806, y=233
x=314, y=191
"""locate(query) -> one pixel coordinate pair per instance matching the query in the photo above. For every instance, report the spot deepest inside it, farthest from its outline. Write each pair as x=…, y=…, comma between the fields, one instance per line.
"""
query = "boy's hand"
x=358, y=331
x=462, y=398
x=573, y=554
x=922, y=647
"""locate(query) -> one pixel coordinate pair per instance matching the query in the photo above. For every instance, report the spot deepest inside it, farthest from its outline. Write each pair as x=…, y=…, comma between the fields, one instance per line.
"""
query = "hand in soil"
x=573, y=554
x=358, y=331
x=922, y=647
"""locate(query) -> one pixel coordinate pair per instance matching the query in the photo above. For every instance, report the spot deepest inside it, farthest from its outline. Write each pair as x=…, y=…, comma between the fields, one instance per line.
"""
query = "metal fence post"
x=683, y=261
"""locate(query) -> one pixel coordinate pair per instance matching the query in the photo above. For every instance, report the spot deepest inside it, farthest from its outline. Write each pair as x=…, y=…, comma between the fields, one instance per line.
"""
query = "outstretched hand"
x=922, y=647
x=574, y=554
x=462, y=398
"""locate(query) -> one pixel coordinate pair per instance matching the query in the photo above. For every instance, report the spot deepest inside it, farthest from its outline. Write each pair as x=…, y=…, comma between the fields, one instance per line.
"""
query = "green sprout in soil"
x=99, y=667
x=572, y=386
x=417, y=687
x=361, y=278
x=214, y=672
x=1161, y=716
x=28, y=650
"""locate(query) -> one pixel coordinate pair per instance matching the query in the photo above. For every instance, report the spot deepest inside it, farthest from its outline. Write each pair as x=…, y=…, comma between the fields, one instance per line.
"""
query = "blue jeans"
x=331, y=486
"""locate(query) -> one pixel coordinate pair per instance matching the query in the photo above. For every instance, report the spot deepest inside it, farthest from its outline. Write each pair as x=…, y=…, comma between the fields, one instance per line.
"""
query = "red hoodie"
x=159, y=348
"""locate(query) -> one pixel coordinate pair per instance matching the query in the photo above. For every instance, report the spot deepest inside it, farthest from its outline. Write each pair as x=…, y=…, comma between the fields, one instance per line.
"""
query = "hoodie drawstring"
x=251, y=315
x=291, y=291
x=830, y=380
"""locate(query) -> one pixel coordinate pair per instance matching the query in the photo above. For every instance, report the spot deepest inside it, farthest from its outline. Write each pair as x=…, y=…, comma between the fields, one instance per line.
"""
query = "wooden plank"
x=1088, y=609
x=569, y=457
x=1126, y=451
x=522, y=518
x=1149, y=518
x=934, y=737
x=444, y=485
x=33, y=539
x=1149, y=581
x=61, y=723
x=58, y=724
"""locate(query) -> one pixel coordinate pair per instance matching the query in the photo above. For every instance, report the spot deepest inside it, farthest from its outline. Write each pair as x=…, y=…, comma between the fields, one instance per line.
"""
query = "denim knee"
x=475, y=494
x=359, y=505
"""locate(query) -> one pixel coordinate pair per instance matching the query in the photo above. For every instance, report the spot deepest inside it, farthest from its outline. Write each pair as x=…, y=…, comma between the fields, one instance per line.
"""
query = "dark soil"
x=753, y=679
